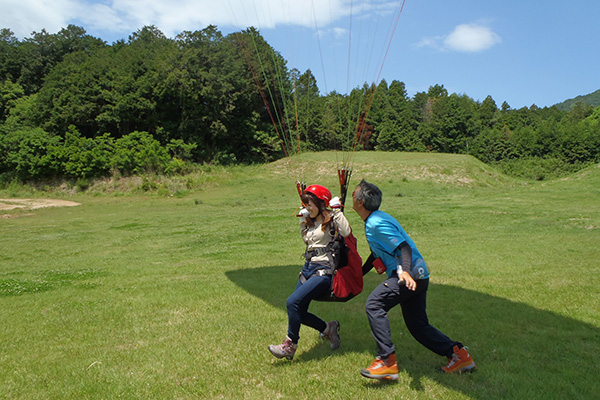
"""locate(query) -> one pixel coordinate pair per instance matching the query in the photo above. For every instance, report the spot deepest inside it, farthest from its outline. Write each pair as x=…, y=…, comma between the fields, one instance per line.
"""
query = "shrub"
x=139, y=153
x=538, y=169
x=29, y=153
x=84, y=157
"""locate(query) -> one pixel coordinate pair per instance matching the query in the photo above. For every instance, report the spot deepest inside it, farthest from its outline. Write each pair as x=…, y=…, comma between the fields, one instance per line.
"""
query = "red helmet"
x=321, y=192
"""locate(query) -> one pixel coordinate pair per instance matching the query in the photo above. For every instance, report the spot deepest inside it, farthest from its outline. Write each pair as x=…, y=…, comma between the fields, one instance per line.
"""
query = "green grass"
x=175, y=293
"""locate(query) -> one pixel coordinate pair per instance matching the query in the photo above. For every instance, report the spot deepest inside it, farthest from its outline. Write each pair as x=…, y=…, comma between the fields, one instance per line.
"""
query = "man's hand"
x=405, y=277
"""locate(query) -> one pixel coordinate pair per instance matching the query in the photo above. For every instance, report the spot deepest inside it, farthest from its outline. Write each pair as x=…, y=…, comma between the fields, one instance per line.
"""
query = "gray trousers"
x=388, y=295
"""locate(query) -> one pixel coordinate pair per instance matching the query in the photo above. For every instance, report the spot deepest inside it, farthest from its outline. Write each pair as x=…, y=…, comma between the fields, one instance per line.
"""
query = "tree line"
x=73, y=106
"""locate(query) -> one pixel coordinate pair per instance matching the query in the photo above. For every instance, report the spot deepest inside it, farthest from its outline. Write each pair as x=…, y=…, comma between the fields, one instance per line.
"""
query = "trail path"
x=33, y=204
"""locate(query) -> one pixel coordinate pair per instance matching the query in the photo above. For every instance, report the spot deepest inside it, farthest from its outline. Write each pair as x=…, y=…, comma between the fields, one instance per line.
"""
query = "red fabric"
x=379, y=267
x=348, y=280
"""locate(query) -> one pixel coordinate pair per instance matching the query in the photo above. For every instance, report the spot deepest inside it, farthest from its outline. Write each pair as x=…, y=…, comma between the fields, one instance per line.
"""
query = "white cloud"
x=434, y=42
x=468, y=38
x=26, y=16
x=339, y=33
x=126, y=16
x=471, y=38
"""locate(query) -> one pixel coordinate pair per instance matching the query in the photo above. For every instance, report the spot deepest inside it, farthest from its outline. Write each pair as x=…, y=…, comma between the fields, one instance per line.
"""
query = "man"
x=394, y=252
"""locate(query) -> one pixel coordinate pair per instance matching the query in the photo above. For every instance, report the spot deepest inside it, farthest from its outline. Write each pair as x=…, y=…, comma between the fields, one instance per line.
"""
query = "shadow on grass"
x=520, y=351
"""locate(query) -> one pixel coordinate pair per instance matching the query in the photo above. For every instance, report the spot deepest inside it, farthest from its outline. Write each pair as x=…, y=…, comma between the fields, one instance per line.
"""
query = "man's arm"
x=404, y=260
x=368, y=265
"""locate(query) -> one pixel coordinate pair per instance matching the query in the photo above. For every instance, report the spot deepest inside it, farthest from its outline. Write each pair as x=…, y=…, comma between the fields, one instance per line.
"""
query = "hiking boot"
x=382, y=368
x=331, y=333
x=460, y=362
x=287, y=349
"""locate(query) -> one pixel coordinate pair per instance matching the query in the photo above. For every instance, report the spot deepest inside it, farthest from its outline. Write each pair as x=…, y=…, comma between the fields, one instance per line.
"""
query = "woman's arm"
x=342, y=223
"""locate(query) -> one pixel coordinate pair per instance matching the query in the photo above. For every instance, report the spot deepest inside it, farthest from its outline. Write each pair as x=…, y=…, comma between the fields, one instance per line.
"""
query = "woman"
x=318, y=226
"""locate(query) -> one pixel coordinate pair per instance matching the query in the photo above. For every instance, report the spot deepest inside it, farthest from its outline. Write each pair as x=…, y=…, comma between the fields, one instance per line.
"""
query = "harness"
x=333, y=251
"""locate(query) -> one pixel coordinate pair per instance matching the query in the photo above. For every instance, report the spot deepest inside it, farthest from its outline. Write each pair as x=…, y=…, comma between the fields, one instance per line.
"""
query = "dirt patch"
x=34, y=204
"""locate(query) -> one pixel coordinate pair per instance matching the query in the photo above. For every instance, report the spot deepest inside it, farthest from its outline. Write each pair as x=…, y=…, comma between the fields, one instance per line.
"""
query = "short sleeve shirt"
x=384, y=234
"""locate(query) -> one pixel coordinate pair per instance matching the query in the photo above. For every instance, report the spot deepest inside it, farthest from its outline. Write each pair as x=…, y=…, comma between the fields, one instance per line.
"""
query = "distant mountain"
x=593, y=99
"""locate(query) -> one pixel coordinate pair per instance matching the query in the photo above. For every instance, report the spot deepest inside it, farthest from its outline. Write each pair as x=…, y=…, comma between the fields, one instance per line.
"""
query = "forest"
x=73, y=106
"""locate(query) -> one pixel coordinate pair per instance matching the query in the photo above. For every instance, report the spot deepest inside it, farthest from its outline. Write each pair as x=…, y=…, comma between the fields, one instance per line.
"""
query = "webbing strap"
x=324, y=250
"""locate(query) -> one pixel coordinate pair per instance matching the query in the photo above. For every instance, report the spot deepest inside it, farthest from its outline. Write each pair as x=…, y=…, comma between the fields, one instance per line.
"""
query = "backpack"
x=346, y=268
x=347, y=279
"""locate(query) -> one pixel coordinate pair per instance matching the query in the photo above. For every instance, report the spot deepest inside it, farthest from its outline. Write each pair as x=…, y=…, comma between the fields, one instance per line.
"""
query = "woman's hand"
x=335, y=203
x=303, y=214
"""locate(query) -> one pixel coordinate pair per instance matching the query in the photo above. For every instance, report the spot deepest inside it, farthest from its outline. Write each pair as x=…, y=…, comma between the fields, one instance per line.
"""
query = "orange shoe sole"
x=387, y=377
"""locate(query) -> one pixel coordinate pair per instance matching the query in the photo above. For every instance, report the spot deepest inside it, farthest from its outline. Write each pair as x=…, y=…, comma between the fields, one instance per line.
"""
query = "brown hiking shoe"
x=331, y=334
x=287, y=349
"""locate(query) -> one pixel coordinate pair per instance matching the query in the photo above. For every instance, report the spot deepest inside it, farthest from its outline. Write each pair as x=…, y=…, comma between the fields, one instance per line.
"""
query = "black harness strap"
x=329, y=250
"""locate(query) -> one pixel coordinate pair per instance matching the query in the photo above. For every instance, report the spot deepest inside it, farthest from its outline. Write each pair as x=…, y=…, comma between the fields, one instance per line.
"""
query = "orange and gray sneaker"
x=460, y=362
x=287, y=349
x=382, y=368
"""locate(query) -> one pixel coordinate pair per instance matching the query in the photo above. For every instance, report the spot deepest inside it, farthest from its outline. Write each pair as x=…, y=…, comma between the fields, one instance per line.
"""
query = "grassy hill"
x=593, y=99
x=173, y=288
x=444, y=169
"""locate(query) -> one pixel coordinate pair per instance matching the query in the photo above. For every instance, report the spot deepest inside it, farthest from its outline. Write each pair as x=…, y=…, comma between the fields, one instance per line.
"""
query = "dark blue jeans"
x=388, y=295
x=298, y=302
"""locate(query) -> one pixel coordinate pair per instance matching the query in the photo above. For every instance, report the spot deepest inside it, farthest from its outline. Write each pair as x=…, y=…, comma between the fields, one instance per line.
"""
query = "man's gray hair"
x=370, y=195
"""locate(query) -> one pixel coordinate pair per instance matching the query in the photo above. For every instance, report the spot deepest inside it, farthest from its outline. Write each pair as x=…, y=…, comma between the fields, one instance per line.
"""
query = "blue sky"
x=518, y=51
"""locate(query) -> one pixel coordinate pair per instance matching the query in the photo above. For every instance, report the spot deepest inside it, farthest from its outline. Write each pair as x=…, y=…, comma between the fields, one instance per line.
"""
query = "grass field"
x=175, y=292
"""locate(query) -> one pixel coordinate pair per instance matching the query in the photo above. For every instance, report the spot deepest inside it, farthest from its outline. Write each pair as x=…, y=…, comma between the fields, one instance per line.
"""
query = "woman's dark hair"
x=308, y=196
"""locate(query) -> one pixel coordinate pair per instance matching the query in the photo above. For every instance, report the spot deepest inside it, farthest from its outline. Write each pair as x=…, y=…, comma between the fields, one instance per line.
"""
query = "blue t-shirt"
x=384, y=234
